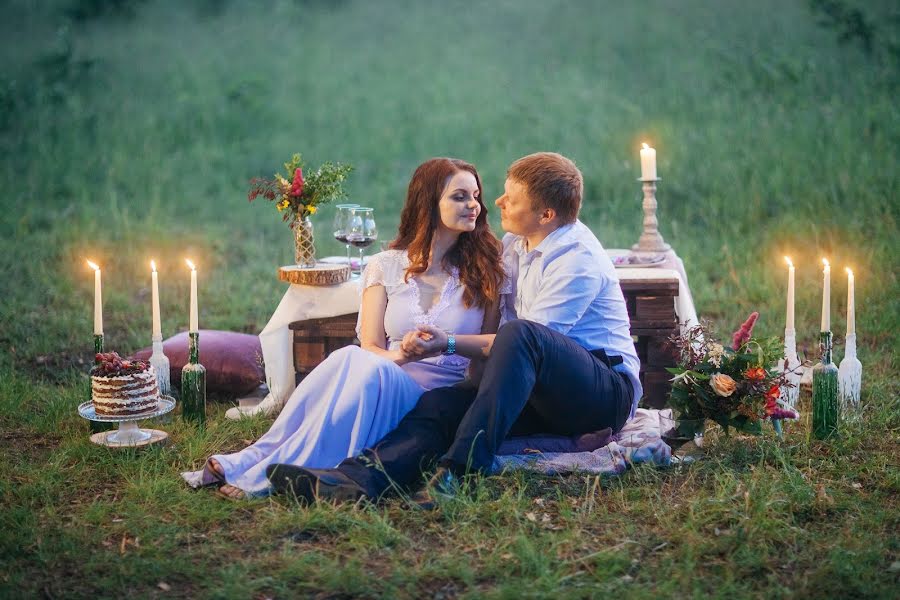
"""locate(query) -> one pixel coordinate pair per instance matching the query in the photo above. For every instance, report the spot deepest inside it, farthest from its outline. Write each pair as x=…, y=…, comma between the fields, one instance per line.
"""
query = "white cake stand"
x=128, y=433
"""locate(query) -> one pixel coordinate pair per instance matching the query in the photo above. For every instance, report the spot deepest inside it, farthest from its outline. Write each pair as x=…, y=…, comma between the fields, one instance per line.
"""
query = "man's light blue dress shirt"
x=569, y=284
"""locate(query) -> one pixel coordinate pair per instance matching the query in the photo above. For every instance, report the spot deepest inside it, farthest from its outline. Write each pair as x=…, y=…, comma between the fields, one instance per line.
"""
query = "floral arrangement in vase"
x=737, y=386
x=298, y=198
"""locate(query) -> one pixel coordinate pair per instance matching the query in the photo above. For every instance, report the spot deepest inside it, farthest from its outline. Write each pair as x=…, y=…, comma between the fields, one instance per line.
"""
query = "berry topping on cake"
x=110, y=364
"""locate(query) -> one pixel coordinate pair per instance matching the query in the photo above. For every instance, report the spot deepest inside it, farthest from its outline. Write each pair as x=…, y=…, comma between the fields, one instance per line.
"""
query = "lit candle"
x=851, y=304
x=789, y=322
x=194, y=320
x=826, y=296
x=648, y=162
x=98, y=300
x=154, y=289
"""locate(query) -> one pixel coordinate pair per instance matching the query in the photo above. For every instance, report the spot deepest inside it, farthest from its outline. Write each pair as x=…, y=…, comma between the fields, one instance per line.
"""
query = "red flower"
x=297, y=184
x=755, y=374
x=771, y=400
x=742, y=335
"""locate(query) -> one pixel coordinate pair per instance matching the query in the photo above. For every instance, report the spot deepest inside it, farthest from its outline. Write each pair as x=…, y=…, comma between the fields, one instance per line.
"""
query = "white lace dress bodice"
x=404, y=313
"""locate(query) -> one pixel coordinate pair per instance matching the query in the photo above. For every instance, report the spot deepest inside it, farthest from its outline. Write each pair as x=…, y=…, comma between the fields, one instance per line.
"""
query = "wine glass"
x=363, y=231
x=342, y=217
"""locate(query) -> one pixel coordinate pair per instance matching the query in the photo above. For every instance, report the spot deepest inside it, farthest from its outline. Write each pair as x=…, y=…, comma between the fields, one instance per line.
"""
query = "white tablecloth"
x=302, y=302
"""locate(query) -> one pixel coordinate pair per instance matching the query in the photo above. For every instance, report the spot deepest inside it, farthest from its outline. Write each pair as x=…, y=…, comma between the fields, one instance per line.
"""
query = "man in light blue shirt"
x=562, y=362
x=568, y=283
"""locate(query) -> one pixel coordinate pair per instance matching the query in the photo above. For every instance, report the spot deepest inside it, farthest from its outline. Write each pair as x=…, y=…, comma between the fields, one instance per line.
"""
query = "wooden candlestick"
x=650, y=240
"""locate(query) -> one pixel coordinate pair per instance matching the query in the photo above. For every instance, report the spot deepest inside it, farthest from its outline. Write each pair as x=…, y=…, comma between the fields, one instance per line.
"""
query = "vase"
x=304, y=243
x=193, y=385
x=825, y=401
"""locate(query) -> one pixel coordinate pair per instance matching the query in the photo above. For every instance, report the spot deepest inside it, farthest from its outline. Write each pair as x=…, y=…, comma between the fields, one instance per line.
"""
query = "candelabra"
x=650, y=240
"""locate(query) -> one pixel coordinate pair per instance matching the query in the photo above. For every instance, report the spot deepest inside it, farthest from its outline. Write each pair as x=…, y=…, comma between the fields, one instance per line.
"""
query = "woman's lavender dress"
x=354, y=397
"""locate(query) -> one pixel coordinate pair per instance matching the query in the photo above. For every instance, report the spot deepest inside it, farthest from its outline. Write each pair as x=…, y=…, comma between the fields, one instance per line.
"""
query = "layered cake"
x=122, y=387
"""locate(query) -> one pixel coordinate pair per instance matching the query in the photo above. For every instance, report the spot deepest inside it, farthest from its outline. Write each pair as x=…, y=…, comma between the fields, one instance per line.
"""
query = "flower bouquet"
x=298, y=198
x=735, y=387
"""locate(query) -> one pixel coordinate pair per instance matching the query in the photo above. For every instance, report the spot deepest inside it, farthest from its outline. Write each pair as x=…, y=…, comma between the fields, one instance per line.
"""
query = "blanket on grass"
x=640, y=441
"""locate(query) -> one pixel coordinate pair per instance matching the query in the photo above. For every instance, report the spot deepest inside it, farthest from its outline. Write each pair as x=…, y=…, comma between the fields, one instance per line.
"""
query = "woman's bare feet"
x=216, y=469
x=231, y=492
x=227, y=490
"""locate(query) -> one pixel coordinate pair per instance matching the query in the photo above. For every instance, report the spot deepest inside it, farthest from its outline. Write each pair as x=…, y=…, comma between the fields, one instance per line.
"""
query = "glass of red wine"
x=342, y=217
x=362, y=232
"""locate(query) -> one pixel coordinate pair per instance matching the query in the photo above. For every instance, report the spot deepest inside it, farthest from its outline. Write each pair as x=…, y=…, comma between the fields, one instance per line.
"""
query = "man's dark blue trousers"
x=535, y=381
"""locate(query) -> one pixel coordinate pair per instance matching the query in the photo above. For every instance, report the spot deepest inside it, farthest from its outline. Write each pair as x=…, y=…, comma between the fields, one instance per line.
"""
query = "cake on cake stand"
x=128, y=434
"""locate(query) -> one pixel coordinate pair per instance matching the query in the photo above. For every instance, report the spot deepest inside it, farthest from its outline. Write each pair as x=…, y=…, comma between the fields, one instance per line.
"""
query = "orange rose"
x=723, y=385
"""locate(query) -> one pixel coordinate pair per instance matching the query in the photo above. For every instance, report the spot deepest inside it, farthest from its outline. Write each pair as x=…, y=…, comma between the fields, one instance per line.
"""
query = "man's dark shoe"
x=311, y=484
x=443, y=484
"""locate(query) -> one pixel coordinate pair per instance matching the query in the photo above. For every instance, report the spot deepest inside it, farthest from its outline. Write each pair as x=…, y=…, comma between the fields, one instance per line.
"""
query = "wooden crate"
x=651, y=308
x=315, y=339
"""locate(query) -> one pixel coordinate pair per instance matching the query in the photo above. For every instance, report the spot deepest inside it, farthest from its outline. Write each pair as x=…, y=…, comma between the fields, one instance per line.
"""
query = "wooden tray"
x=321, y=274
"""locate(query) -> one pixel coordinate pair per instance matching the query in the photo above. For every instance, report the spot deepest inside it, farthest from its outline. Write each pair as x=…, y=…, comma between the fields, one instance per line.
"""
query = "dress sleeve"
x=375, y=272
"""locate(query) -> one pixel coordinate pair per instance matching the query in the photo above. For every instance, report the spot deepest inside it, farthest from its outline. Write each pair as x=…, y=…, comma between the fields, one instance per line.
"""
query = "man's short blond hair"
x=553, y=181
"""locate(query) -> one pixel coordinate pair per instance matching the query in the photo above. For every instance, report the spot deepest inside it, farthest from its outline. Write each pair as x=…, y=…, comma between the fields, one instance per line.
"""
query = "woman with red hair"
x=443, y=270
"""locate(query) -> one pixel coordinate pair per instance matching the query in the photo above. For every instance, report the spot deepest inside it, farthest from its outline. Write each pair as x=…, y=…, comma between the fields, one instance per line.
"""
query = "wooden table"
x=649, y=294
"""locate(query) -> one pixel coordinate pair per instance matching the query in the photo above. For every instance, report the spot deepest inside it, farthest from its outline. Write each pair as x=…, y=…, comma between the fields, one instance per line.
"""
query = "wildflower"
x=755, y=374
x=312, y=210
x=742, y=335
x=716, y=353
x=282, y=181
x=297, y=184
x=773, y=410
x=722, y=384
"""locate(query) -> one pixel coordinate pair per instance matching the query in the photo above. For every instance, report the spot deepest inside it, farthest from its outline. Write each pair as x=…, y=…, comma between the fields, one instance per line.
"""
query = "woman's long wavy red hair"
x=476, y=253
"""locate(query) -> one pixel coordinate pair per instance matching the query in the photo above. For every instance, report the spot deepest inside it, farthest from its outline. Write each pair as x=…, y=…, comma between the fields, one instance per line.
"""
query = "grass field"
x=130, y=132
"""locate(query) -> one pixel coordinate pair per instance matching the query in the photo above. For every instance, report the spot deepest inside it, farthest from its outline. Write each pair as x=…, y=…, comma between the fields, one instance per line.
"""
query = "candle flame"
x=826, y=263
x=849, y=272
x=93, y=265
x=787, y=259
x=190, y=264
x=153, y=265
x=645, y=146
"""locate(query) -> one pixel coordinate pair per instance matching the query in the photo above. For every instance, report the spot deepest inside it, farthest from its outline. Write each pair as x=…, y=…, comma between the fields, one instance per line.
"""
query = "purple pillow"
x=545, y=442
x=233, y=361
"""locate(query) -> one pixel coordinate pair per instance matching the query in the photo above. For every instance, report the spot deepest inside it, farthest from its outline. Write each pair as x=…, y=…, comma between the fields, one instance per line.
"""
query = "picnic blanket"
x=640, y=441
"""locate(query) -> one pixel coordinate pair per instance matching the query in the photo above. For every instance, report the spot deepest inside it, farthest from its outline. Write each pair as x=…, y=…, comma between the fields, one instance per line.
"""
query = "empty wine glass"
x=363, y=231
x=342, y=217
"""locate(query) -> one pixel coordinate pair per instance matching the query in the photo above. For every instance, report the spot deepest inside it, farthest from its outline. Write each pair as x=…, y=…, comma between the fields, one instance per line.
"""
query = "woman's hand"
x=423, y=343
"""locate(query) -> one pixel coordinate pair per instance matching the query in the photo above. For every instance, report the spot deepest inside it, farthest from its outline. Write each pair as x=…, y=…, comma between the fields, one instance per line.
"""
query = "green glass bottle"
x=193, y=385
x=97, y=426
x=825, y=394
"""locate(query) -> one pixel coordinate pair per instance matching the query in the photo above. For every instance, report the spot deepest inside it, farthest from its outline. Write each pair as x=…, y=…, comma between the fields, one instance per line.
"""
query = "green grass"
x=132, y=135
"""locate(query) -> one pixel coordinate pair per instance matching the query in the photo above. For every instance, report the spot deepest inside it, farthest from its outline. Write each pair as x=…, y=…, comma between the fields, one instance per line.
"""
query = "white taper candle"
x=851, y=303
x=826, y=296
x=194, y=327
x=789, y=321
x=648, y=162
x=154, y=294
x=98, y=300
